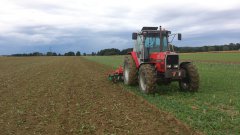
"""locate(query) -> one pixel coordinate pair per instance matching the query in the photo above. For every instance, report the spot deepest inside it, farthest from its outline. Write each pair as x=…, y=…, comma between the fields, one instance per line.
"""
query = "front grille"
x=172, y=60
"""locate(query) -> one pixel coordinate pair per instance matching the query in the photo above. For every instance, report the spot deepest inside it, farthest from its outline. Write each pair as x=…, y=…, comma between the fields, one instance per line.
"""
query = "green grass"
x=213, y=110
x=113, y=61
x=225, y=57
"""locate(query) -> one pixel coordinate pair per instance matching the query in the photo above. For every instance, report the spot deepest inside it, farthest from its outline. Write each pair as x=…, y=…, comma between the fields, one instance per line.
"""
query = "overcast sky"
x=91, y=25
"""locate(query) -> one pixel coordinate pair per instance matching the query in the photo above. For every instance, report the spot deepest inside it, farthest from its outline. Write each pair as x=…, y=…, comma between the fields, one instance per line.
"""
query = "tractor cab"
x=151, y=40
x=152, y=46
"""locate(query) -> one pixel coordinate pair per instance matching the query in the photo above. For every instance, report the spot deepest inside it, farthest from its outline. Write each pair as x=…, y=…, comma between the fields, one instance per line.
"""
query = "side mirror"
x=134, y=36
x=179, y=36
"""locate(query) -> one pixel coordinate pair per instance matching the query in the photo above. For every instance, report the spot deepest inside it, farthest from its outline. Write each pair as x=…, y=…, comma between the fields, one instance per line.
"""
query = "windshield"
x=153, y=43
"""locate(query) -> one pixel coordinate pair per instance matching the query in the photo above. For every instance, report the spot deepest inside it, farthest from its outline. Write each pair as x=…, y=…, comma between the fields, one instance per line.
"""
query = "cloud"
x=64, y=25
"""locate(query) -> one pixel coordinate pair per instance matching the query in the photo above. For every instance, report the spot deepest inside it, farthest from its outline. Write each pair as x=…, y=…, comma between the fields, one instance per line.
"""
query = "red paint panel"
x=158, y=58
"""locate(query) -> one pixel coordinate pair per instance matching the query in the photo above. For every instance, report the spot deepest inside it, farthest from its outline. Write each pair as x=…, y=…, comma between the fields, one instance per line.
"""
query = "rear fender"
x=134, y=56
x=184, y=63
x=147, y=63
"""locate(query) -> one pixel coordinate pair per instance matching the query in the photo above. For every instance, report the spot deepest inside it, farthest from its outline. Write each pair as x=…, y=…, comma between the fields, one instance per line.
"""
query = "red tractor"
x=153, y=61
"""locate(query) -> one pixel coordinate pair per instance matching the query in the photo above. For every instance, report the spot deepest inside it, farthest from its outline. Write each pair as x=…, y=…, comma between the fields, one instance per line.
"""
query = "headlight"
x=168, y=66
x=175, y=66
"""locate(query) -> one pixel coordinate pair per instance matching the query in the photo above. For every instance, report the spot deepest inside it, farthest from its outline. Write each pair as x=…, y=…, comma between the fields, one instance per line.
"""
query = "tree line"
x=114, y=51
x=104, y=52
x=71, y=53
x=227, y=47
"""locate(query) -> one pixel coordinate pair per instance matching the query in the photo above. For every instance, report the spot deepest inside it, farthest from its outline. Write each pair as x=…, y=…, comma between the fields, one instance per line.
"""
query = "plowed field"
x=71, y=95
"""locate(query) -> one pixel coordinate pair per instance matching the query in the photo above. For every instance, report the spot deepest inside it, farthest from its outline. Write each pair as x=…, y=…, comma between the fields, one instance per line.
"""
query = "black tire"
x=147, y=79
x=129, y=71
x=191, y=81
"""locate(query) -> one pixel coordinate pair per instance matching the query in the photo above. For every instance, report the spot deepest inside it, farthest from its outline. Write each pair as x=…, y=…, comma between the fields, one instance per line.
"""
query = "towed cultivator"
x=116, y=75
x=153, y=61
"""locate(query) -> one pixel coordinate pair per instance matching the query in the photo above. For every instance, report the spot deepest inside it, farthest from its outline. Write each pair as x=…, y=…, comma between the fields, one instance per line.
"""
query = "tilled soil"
x=70, y=95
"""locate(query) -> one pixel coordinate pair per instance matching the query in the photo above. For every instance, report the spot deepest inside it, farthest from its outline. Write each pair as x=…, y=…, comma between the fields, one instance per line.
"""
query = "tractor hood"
x=161, y=59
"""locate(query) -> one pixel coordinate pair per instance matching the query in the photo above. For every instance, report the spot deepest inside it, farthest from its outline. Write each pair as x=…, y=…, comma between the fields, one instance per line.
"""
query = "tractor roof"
x=154, y=30
x=149, y=28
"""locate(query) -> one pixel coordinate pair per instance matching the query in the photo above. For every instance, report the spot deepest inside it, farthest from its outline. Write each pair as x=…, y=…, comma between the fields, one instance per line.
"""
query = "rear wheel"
x=147, y=78
x=129, y=71
x=191, y=81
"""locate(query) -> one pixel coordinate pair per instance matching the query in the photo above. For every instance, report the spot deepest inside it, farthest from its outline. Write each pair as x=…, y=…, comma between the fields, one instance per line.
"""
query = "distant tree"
x=225, y=48
x=54, y=54
x=84, y=54
x=37, y=54
x=218, y=48
x=237, y=46
x=126, y=51
x=211, y=48
x=69, y=54
x=78, y=53
x=111, y=51
x=93, y=53
x=49, y=54
x=204, y=48
x=233, y=46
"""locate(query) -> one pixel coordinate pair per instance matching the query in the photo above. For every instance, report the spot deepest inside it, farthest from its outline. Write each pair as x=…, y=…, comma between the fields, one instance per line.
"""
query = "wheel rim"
x=126, y=75
x=184, y=85
x=142, y=82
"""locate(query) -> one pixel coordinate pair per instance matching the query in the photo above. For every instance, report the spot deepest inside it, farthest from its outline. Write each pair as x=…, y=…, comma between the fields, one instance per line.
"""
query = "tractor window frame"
x=139, y=43
x=165, y=43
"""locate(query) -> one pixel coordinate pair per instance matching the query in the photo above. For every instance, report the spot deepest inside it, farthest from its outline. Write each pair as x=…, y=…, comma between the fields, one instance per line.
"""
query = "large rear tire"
x=191, y=81
x=129, y=71
x=147, y=79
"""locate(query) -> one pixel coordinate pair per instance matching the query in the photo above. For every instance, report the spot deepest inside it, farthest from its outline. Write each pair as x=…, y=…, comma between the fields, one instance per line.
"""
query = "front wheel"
x=147, y=78
x=191, y=81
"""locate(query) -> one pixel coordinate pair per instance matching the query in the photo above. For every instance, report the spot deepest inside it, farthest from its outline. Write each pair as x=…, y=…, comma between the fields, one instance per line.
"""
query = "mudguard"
x=134, y=56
